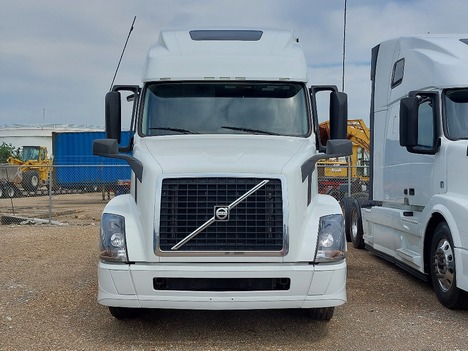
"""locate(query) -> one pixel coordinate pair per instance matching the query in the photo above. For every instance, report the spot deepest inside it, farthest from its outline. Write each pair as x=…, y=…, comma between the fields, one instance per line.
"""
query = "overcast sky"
x=57, y=58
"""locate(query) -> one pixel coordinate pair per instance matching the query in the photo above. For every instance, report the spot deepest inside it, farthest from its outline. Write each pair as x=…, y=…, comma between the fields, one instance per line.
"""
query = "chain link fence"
x=342, y=180
x=66, y=194
x=77, y=194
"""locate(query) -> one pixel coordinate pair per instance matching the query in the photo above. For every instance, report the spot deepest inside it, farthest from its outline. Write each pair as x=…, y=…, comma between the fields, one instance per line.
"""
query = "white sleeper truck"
x=418, y=214
x=223, y=211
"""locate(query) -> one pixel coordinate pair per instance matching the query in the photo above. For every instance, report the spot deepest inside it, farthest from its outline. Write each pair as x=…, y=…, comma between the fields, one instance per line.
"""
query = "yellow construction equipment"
x=333, y=173
x=34, y=166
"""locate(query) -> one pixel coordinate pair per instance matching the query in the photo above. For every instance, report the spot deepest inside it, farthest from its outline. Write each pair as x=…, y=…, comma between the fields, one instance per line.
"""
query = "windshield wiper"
x=250, y=130
x=180, y=130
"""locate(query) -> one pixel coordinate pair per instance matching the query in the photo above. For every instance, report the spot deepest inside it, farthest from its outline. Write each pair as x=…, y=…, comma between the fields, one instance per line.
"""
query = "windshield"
x=456, y=113
x=30, y=153
x=225, y=108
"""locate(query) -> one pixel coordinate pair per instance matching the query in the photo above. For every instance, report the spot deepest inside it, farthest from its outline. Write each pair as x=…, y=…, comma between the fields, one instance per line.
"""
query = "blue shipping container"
x=76, y=166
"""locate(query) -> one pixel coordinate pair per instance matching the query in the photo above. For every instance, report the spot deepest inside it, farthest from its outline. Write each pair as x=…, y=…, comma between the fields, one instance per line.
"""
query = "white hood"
x=223, y=153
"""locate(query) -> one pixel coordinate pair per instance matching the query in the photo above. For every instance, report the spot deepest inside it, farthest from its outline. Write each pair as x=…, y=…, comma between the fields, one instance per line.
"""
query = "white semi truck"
x=418, y=213
x=223, y=211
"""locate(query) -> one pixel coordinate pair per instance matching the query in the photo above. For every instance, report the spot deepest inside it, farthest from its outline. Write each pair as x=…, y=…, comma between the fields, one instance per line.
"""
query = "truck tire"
x=357, y=233
x=346, y=203
x=322, y=314
x=443, y=270
x=362, y=197
x=9, y=191
x=30, y=181
x=125, y=312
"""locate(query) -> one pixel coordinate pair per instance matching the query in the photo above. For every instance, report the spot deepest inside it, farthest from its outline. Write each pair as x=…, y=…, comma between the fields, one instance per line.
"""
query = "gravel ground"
x=48, y=288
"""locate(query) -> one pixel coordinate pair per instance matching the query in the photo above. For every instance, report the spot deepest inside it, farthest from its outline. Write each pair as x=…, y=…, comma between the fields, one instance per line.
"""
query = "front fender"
x=321, y=205
x=138, y=246
x=454, y=209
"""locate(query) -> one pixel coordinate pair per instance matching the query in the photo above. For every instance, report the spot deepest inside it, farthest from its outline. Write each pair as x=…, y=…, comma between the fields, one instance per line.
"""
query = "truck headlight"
x=113, y=245
x=331, y=244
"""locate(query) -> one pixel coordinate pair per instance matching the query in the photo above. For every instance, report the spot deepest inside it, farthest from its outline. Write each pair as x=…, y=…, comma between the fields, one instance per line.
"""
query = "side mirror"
x=105, y=147
x=113, y=115
x=334, y=107
x=409, y=121
x=338, y=115
x=339, y=147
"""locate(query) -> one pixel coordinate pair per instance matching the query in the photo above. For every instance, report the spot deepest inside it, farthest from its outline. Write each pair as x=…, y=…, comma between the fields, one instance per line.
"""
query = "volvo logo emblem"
x=221, y=213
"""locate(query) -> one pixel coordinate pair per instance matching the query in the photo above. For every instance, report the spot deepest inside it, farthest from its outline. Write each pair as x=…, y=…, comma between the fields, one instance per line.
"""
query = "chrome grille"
x=255, y=224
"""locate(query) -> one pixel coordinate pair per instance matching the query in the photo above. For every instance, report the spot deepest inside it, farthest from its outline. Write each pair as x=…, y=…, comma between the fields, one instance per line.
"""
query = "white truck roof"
x=226, y=54
x=431, y=61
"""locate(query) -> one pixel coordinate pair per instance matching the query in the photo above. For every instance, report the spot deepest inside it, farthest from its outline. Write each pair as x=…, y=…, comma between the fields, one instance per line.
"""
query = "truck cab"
x=419, y=141
x=223, y=211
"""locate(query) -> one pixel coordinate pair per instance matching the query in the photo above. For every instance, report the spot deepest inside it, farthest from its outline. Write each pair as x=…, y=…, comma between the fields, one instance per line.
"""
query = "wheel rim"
x=11, y=192
x=34, y=181
x=354, y=223
x=444, y=264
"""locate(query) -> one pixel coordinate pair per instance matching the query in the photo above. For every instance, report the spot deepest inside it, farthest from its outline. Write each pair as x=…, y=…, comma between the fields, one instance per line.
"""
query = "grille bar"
x=255, y=224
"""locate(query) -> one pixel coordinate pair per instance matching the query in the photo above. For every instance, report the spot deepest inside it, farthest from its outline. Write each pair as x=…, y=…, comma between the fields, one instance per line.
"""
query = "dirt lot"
x=76, y=209
x=48, y=290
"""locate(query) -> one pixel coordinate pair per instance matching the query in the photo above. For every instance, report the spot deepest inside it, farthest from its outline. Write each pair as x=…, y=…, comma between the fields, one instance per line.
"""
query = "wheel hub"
x=444, y=264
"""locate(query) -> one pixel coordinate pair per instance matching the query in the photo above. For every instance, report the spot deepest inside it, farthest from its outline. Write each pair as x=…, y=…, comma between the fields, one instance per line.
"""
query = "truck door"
x=411, y=144
x=420, y=135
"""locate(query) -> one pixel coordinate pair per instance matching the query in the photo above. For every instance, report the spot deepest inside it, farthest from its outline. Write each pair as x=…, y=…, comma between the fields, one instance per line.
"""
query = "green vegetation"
x=7, y=150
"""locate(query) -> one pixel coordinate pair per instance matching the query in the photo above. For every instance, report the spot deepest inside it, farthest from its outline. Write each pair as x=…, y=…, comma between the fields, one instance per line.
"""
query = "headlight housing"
x=331, y=243
x=113, y=244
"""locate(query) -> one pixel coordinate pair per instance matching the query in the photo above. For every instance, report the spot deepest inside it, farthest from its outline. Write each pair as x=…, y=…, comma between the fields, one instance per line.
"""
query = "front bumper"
x=311, y=286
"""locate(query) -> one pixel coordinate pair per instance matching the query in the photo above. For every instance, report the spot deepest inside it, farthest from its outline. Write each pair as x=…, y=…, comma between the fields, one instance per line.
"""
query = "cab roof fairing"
x=276, y=56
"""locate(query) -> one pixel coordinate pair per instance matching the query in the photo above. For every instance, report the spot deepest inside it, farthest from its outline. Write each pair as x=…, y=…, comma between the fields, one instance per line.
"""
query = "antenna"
x=344, y=46
x=120, y=60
